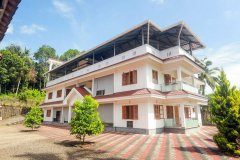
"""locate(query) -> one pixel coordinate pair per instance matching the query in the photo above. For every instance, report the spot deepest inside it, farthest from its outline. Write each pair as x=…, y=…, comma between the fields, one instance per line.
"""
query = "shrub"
x=86, y=120
x=34, y=118
x=225, y=108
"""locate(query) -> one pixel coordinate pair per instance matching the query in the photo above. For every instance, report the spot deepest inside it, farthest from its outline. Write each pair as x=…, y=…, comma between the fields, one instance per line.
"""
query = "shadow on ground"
x=28, y=130
x=39, y=156
x=68, y=143
x=201, y=150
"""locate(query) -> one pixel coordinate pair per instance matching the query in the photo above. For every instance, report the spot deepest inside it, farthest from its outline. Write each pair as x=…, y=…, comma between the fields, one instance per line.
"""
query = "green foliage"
x=208, y=76
x=69, y=54
x=86, y=120
x=44, y=53
x=225, y=108
x=34, y=118
x=32, y=96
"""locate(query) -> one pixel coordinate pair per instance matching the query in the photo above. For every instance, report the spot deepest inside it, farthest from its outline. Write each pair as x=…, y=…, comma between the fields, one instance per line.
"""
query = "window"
x=50, y=95
x=155, y=76
x=193, y=110
x=170, y=112
x=59, y=93
x=167, y=78
x=130, y=112
x=48, y=113
x=68, y=91
x=158, y=112
x=129, y=78
x=100, y=92
x=187, y=112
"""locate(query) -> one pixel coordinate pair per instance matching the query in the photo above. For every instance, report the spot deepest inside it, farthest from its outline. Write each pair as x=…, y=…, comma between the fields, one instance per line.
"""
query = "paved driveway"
x=162, y=146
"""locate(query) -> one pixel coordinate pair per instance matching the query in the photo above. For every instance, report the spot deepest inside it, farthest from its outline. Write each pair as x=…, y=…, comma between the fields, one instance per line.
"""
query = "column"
x=193, y=80
x=69, y=114
x=182, y=115
x=62, y=118
x=52, y=114
x=198, y=115
x=179, y=74
x=93, y=87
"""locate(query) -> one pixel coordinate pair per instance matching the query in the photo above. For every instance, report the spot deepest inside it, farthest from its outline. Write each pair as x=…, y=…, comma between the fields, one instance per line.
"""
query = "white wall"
x=45, y=118
x=106, y=112
x=142, y=116
x=54, y=95
x=104, y=83
x=65, y=114
x=141, y=78
x=152, y=122
x=150, y=83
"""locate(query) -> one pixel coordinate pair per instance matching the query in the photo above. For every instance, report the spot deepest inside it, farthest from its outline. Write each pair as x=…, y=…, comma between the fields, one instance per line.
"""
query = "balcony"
x=138, y=51
x=178, y=86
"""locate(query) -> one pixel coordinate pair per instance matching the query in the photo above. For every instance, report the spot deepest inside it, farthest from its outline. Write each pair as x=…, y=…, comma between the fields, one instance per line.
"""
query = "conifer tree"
x=225, y=108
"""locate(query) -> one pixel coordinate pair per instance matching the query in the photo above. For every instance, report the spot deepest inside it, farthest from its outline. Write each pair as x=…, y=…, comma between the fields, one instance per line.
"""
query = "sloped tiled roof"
x=51, y=103
x=131, y=93
x=82, y=91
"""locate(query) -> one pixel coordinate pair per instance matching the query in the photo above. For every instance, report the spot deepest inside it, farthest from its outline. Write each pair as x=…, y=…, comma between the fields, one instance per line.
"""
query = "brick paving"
x=169, y=146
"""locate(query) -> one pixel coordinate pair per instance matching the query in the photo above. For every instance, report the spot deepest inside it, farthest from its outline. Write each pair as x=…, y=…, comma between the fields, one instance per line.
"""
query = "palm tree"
x=208, y=76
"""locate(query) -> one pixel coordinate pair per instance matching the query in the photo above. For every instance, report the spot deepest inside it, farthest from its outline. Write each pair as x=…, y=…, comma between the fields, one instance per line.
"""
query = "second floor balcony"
x=179, y=86
x=138, y=51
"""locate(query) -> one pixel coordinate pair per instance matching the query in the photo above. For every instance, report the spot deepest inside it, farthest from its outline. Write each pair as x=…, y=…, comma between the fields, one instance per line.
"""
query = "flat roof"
x=167, y=36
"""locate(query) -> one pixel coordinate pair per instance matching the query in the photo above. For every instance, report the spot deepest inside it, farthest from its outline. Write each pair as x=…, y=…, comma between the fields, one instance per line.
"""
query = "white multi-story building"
x=144, y=80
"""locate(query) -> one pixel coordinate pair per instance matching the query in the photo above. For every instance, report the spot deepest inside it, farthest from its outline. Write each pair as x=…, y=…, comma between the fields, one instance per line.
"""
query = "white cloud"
x=231, y=14
x=63, y=9
x=228, y=58
x=10, y=29
x=31, y=29
x=158, y=1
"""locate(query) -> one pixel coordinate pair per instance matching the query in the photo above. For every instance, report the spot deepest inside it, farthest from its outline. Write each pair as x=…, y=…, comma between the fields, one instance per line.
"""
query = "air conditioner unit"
x=100, y=92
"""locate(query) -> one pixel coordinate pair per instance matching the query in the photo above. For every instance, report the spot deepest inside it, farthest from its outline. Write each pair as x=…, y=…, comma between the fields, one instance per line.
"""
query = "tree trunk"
x=18, y=85
x=83, y=138
x=0, y=88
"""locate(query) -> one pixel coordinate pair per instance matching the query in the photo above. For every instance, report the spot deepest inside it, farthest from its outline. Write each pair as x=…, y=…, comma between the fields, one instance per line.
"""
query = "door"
x=176, y=111
x=58, y=116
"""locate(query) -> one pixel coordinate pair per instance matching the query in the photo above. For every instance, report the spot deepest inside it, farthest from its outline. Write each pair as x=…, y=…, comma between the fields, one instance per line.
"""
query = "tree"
x=34, y=118
x=69, y=54
x=44, y=53
x=41, y=56
x=225, y=108
x=86, y=120
x=208, y=76
x=32, y=97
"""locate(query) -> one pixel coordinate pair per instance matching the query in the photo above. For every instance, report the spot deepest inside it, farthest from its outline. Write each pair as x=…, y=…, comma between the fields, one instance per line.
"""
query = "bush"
x=225, y=108
x=86, y=120
x=32, y=97
x=34, y=118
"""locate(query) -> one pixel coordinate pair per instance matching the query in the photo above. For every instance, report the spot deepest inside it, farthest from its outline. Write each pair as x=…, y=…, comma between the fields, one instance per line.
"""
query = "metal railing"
x=179, y=85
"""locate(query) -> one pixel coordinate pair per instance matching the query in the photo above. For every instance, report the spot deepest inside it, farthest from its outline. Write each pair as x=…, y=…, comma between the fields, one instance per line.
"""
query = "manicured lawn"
x=55, y=143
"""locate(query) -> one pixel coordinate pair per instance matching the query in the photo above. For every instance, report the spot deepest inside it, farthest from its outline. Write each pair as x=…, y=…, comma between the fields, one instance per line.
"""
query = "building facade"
x=144, y=80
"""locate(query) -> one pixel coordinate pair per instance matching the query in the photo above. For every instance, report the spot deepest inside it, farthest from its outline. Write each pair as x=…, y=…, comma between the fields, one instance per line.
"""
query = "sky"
x=83, y=24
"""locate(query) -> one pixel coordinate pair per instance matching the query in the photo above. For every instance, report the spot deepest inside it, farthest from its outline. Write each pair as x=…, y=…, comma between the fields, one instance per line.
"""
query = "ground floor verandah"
x=147, y=117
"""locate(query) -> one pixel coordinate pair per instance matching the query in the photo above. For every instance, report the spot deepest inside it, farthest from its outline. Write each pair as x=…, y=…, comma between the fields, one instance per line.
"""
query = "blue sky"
x=82, y=24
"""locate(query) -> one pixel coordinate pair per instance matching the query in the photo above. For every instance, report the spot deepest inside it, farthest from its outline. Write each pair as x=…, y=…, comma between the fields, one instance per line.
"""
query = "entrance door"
x=176, y=111
x=58, y=116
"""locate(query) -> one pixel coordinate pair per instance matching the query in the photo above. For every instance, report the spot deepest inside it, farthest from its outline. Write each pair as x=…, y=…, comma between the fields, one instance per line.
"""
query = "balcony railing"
x=191, y=123
x=138, y=51
x=176, y=86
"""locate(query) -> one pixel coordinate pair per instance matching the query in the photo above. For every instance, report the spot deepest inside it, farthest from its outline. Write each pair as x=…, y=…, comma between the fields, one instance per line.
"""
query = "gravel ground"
x=18, y=143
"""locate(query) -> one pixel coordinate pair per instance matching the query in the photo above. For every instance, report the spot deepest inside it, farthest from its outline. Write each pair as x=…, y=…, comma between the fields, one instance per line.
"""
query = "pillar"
x=62, y=118
x=198, y=115
x=179, y=74
x=182, y=115
x=52, y=113
x=69, y=114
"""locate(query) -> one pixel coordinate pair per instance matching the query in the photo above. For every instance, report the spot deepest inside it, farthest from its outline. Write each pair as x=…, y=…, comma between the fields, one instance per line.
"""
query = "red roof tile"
x=82, y=91
x=51, y=103
x=131, y=93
